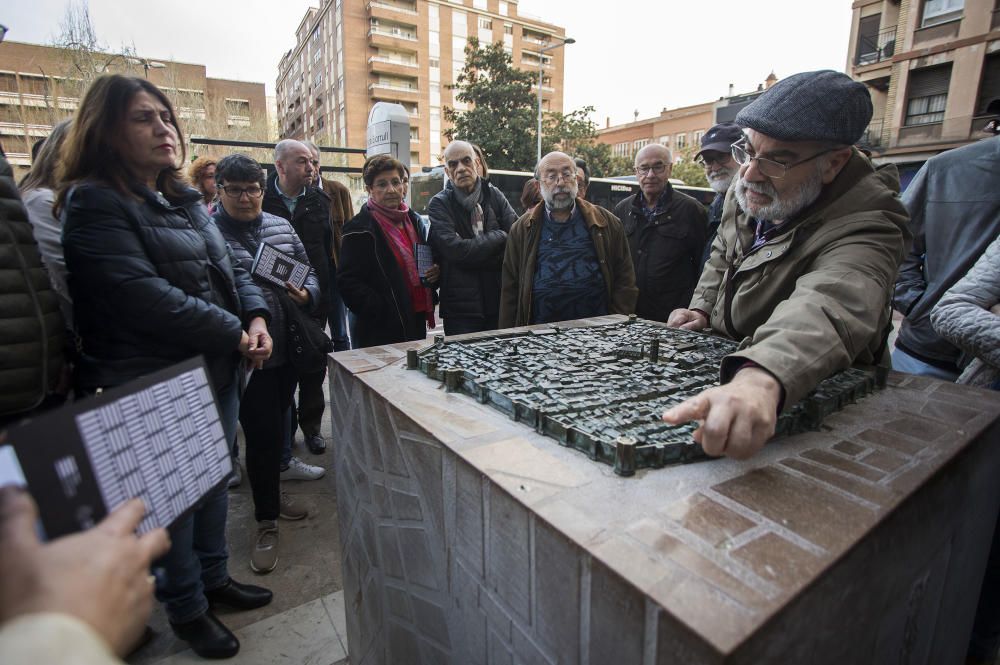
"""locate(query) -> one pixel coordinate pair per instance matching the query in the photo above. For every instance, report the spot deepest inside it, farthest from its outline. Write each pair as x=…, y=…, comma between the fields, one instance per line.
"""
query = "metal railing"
x=406, y=9
x=270, y=146
x=877, y=48
x=395, y=34
x=873, y=135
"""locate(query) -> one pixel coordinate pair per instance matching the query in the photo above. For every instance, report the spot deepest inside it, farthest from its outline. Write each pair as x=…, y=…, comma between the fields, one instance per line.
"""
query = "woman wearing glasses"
x=269, y=392
x=378, y=276
x=154, y=283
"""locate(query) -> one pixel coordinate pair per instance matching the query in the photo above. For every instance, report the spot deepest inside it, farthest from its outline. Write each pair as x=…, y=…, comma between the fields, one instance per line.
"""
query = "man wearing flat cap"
x=802, y=268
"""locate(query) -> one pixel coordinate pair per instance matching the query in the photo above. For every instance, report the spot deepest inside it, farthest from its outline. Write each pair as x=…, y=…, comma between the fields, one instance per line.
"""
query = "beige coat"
x=341, y=212
x=518, y=276
x=814, y=299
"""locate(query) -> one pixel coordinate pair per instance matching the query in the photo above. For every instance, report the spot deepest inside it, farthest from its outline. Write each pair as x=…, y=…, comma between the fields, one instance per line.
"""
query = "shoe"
x=316, y=444
x=299, y=470
x=238, y=596
x=207, y=636
x=237, y=477
x=290, y=509
x=264, y=557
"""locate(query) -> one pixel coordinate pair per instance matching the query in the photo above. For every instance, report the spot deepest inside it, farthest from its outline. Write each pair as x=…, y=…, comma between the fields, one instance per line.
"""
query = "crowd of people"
x=128, y=264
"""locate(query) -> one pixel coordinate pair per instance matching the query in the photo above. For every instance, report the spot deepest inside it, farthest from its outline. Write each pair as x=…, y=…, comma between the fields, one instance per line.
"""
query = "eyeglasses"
x=395, y=183
x=657, y=168
x=254, y=192
x=552, y=177
x=704, y=160
x=769, y=167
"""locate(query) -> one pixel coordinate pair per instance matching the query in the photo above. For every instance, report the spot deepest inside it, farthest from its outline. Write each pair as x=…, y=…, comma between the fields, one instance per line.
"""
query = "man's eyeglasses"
x=395, y=183
x=657, y=168
x=552, y=178
x=254, y=192
x=704, y=160
x=769, y=167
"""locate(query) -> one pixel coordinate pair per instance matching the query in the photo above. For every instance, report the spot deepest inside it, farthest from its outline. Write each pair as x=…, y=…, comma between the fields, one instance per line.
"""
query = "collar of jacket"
x=586, y=209
x=639, y=202
x=224, y=221
x=365, y=222
x=271, y=191
x=187, y=197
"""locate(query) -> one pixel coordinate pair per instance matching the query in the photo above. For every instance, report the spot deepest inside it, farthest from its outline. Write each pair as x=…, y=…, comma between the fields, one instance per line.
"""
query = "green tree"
x=501, y=116
x=686, y=169
x=601, y=162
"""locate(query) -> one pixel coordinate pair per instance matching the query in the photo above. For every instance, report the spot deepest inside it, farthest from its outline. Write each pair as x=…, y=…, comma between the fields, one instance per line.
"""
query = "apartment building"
x=350, y=54
x=39, y=87
x=932, y=66
x=678, y=129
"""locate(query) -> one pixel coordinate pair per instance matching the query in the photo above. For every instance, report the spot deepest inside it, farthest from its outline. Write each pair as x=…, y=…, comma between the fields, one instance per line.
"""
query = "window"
x=485, y=23
x=665, y=141
x=927, y=95
x=989, y=88
x=682, y=140
x=434, y=63
x=941, y=11
x=502, y=8
x=697, y=137
x=621, y=150
x=639, y=144
x=508, y=29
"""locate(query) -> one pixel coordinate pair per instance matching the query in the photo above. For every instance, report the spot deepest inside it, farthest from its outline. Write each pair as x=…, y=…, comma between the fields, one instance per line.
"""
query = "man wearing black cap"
x=716, y=157
x=804, y=262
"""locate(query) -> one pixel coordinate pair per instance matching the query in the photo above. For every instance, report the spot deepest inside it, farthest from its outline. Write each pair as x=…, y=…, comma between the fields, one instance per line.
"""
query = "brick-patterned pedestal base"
x=468, y=538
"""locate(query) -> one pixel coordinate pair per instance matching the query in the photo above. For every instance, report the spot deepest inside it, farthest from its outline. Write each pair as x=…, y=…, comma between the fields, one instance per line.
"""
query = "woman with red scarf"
x=378, y=276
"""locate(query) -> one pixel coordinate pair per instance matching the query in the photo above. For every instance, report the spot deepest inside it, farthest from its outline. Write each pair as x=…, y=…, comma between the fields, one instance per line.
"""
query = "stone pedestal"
x=470, y=539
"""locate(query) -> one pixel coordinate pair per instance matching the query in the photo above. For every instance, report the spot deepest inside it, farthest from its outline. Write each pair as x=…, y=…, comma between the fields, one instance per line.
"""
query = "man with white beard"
x=566, y=259
x=803, y=265
x=716, y=157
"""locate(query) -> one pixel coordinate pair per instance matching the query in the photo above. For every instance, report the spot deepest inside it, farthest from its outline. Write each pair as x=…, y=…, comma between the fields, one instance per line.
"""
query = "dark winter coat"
x=311, y=222
x=372, y=285
x=31, y=327
x=153, y=283
x=666, y=253
x=277, y=232
x=470, y=265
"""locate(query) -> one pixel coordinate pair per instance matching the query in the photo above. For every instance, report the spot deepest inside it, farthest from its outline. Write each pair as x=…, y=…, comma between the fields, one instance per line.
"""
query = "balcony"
x=37, y=101
x=875, y=48
x=383, y=65
x=410, y=9
x=873, y=135
x=394, y=92
x=392, y=38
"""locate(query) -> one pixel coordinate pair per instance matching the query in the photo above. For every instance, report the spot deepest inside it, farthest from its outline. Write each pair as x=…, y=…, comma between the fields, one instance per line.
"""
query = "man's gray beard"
x=720, y=183
x=549, y=196
x=779, y=210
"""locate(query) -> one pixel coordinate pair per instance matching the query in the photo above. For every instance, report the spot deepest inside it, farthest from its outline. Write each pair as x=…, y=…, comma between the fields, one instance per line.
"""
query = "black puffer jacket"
x=470, y=265
x=311, y=222
x=31, y=327
x=667, y=253
x=278, y=233
x=153, y=282
x=372, y=285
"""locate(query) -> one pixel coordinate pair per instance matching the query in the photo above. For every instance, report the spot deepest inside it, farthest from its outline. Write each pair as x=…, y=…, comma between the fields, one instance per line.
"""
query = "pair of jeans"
x=198, y=556
x=262, y=414
x=338, y=315
x=904, y=362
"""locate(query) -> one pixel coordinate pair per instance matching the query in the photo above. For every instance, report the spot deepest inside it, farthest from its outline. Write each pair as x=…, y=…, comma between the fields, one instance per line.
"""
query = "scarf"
x=470, y=203
x=401, y=236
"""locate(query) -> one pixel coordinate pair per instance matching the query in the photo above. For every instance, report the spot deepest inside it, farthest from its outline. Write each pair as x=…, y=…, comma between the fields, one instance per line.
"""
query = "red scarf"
x=399, y=232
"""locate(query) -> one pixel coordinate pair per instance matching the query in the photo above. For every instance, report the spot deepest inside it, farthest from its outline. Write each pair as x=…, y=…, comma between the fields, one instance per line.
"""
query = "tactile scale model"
x=603, y=389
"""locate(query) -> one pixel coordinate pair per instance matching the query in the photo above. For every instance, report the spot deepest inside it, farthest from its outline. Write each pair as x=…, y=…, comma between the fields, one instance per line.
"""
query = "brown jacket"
x=518, y=274
x=341, y=211
x=814, y=299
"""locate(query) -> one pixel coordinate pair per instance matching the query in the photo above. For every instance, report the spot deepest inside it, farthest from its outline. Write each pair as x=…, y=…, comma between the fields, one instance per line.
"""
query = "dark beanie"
x=812, y=106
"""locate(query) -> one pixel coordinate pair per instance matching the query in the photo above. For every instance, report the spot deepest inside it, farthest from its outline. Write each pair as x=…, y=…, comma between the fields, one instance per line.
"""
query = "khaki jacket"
x=814, y=299
x=341, y=212
x=518, y=274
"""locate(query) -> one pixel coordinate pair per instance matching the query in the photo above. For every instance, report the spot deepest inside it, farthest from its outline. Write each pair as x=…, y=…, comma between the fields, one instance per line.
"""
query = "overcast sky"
x=630, y=54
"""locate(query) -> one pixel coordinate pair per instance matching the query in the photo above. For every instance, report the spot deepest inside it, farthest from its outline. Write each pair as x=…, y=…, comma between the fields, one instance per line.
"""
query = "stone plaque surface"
x=470, y=538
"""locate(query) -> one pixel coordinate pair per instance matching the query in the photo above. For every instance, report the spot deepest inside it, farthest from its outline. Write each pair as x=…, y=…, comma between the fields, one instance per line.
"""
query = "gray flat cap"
x=812, y=106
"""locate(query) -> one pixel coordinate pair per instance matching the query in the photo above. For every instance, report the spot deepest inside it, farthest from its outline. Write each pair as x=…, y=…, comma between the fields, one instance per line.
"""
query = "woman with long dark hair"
x=153, y=282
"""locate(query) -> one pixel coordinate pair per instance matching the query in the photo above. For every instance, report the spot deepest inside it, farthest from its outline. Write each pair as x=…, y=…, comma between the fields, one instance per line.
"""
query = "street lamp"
x=541, y=52
x=146, y=64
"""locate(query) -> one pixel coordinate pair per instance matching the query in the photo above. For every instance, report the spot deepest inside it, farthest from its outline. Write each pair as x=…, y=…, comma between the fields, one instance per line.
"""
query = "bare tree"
x=86, y=57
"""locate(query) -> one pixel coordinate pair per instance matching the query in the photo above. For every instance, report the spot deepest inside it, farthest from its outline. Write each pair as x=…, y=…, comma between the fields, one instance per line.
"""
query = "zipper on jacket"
x=385, y=276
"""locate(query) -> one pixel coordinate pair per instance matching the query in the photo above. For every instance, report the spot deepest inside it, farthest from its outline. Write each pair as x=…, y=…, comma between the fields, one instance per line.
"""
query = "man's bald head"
x=460, y=163
x=294, y=163
x=654, y=151
x=653, y=165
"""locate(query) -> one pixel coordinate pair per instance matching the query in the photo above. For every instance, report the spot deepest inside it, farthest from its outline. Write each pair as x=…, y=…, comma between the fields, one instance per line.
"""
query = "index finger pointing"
x=695, y=408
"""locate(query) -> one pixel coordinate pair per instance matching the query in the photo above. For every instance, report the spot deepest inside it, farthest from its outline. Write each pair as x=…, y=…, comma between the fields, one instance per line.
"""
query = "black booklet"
x=424, y=256
x=158, y=438
x=277, y=267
